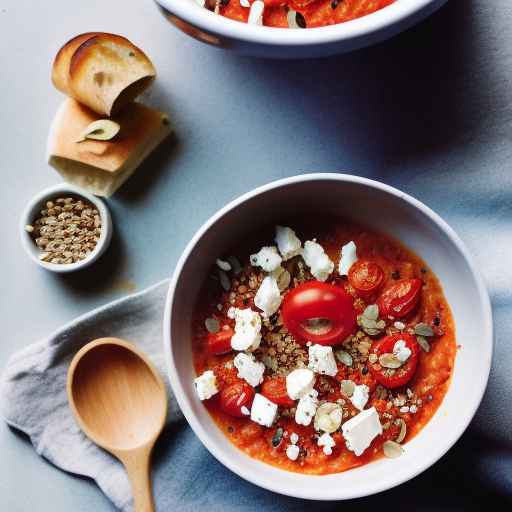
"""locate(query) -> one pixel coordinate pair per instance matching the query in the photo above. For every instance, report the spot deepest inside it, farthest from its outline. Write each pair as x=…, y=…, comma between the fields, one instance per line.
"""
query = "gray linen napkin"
x=187, y=478
x=33, y=394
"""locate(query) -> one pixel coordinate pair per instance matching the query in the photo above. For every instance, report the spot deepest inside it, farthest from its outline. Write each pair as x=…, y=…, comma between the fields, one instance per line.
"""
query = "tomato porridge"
x=295, y=14
x=325, y=349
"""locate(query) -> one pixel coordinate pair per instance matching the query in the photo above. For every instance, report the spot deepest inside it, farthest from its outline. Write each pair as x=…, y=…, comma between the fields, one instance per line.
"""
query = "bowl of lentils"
x=64, y=228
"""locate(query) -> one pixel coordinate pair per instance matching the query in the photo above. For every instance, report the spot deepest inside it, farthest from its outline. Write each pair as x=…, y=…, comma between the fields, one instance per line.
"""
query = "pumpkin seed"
x=392, y=450
x=347, y=388
x=224, y=280
x=423, y=329
x=295, y=19
x=371, y=312
x=235, y=264
x=403, y=431
x=103, y=129
x=212, y=325
x=389, y=361
x=328, y=417
x=283, y=280
x=344, y=357
x=223, y=265
x=423, y=343
x=278, y=436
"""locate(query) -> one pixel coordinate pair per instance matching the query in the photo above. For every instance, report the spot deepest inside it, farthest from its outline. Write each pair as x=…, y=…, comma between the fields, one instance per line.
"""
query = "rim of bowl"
x=27, y=217
x=374, y=487
x=209, y=21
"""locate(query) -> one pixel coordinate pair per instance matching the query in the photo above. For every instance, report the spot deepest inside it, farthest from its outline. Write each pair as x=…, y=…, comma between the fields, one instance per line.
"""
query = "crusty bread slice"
x=103, y=71
x=101, y=167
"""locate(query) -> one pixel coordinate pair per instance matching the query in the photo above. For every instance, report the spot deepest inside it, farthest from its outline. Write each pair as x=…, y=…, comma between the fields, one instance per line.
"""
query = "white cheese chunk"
x=263, y=411
x=287, y=242
x=292, y=451
x=247, y=334
x=256, y=13
x=321, y=360
x=306, y=408
x=360, y=396
x=299, y=383
x=347, y=259
x=249, y=369
x=317, y=260
x=245, y=411
x=361, y=430
x=206, y=385
x=327, y=442
x=401, y=351
x=267, y=258
x=268, y=298
x=294, y=438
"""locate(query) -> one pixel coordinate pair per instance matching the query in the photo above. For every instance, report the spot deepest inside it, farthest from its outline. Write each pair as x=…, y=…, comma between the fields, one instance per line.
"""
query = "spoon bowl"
x=120, y=403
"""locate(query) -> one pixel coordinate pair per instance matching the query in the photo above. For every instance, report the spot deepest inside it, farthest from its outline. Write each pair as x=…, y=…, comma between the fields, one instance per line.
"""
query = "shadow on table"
x=406, y=98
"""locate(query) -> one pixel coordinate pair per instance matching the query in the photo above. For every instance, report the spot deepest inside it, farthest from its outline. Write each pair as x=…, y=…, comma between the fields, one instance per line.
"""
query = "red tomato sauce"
x=427, y=388
x=316, y=13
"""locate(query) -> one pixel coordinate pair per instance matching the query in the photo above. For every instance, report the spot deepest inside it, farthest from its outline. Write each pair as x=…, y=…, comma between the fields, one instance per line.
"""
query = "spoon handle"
x=138, y=469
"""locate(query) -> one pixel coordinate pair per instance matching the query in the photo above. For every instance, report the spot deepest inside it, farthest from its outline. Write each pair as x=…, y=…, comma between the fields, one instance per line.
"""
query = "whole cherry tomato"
x=315, y=300
x=400, y=298
x=366, y=277
x=399, y=376
x=219, y=342
x=274, y=388
x=235, y=396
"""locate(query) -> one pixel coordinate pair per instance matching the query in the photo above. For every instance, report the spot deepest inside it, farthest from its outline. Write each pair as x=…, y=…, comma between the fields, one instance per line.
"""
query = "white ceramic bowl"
x=380, y=207
x=222, y=32
x=31, y=212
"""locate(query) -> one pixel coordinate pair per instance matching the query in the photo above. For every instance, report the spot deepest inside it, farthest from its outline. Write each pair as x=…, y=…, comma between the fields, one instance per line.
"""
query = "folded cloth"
x=34, y=398
x=186, y=477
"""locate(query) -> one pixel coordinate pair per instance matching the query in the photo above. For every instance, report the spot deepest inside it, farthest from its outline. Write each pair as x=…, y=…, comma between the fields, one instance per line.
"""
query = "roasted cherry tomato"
x=235, y=396
x=317, y=301
x=366, y=277
x=400, y=298
x=399, y=376
x=275, y=390
x=219, y=342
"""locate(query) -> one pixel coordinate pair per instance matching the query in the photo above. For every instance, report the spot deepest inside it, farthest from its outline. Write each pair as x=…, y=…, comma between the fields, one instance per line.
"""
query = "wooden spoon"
x=119, y=401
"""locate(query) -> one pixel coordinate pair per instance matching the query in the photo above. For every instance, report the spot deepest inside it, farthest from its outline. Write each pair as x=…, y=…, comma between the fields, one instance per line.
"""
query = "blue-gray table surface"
x=429, y=111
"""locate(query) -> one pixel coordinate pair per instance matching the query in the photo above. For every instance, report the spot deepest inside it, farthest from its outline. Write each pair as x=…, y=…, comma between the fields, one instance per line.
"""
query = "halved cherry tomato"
x=235, y=396
x=366, y=277
x=315, y=300
x=400, y=298
x=274, y=389
x=400, y=376
x=219, y=342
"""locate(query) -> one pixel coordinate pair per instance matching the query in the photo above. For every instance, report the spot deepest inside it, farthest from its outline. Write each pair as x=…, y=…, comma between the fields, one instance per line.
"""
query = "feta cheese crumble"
x=292, y=451
x=245, y=411
x=263, y=411
x=317, y=260
x=361, y=430
x=287, y=242
x=256, y=13
x=267, y=258
x=360, y=396
x=401, y=351
x=206, y=385
x=245, y=3
x=299, y=383
x=327, y=442
x=268, y=298
x=321, y=360
x=306, y=408
x=247, y=334
x=294, y=438
x=249, y=369
x=347, y=259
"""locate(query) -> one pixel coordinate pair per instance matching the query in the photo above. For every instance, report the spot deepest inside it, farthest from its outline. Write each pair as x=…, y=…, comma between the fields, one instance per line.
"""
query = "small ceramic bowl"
x=37, y=203
x=384, y=209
